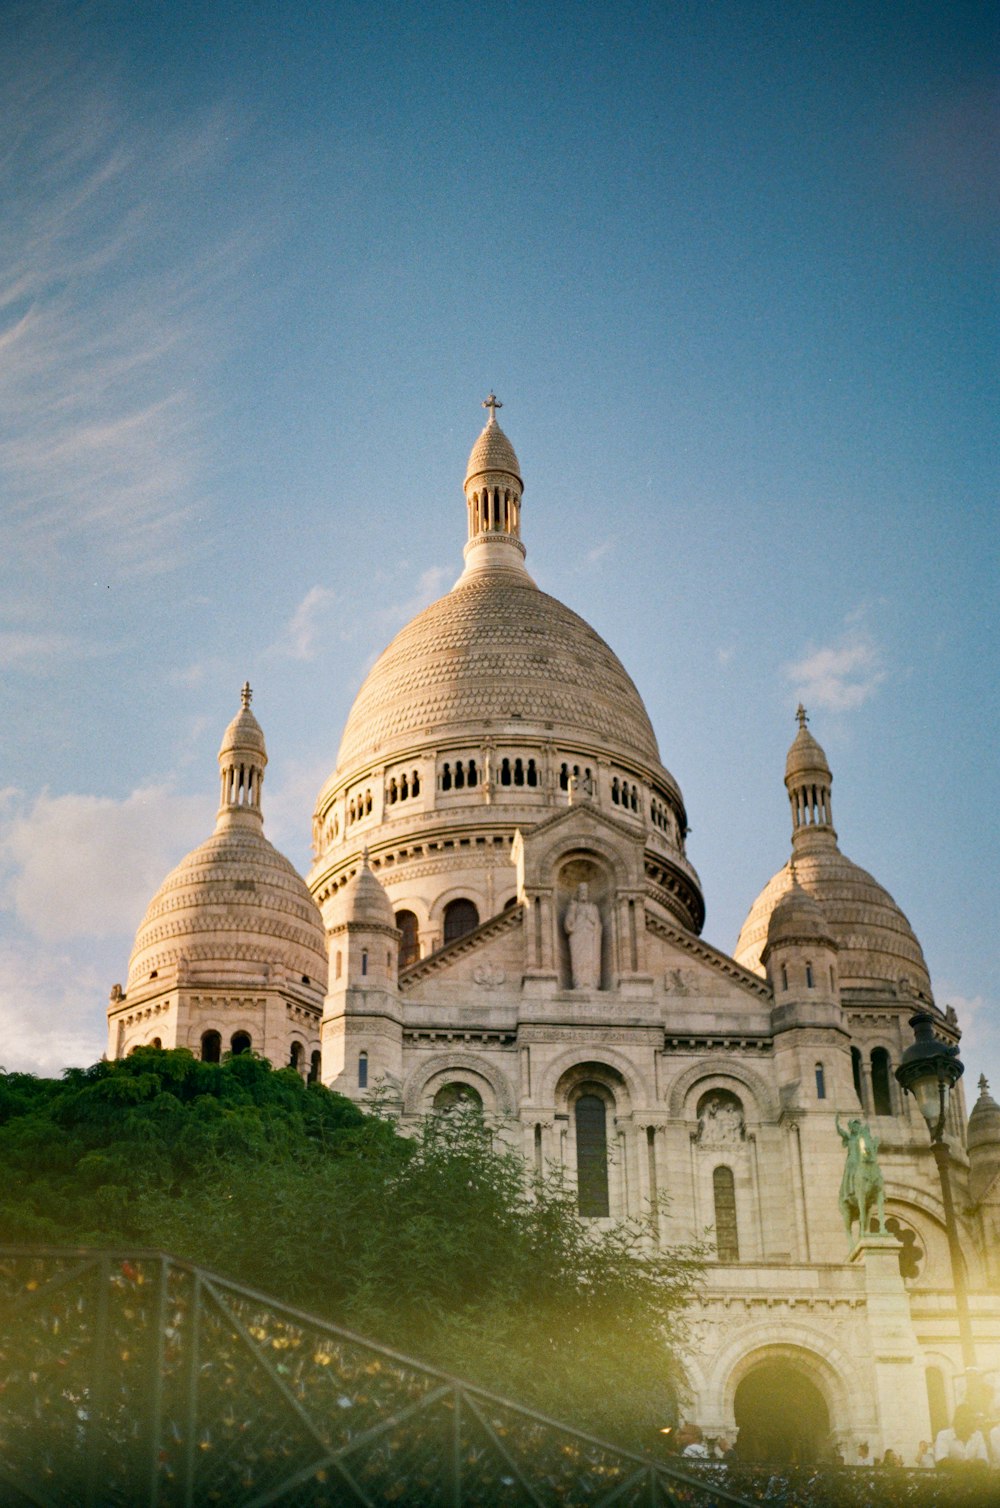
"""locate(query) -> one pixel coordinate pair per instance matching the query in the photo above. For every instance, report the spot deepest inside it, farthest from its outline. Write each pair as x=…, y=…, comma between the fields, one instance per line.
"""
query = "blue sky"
x=731, y=269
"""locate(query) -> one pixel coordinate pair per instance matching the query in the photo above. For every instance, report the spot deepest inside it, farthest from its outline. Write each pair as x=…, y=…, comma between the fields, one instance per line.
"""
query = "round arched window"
x=211, y=1047
x=240, y=1043
x=409, y=945
x=451, y=1095
x=460, y=917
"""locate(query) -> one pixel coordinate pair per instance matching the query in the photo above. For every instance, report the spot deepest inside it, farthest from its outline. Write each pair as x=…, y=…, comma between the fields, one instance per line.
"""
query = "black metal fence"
x=132, y=1379
x=962, y=1486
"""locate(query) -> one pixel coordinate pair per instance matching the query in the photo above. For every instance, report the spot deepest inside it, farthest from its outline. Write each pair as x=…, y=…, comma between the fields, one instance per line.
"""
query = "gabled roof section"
x=713, y=957
x=443, y=958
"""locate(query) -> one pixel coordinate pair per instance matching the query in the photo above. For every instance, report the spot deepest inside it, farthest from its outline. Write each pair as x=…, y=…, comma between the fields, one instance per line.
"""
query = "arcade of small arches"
x=493, y=510
x=240, y=1042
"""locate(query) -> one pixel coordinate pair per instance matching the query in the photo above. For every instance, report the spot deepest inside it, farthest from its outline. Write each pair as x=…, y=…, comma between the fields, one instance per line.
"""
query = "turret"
x=493, y=488
x=362, y=1032
x=808, y=780
x=242, y=761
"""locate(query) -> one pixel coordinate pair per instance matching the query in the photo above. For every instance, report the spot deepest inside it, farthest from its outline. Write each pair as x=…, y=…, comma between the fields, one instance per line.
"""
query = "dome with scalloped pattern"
x=492, y=452
x=876, y=944
x=496, y=653
x=233, y=910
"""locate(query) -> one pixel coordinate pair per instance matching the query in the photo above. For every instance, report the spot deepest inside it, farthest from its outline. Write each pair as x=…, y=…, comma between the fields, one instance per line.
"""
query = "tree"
x=441, y=1244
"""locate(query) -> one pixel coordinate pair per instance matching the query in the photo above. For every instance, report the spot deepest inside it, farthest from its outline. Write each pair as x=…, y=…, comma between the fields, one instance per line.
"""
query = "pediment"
x=490, y=958
x=685, y=966
x=618, y=843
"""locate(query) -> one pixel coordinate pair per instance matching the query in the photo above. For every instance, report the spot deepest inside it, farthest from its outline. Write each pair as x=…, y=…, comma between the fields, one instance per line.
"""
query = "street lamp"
x=929, y=1069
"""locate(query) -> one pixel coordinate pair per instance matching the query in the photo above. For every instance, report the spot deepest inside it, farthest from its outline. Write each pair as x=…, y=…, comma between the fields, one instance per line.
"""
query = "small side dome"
x=492, y=451
x=363, y=901
x=984, y=1122
x=798, y=918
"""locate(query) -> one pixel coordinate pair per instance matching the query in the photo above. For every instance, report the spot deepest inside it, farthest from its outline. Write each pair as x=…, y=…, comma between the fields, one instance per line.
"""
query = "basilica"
x=501, y=909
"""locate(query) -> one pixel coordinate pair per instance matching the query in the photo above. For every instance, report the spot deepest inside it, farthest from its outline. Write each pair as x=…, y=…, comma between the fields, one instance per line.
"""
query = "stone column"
x=897, y=1362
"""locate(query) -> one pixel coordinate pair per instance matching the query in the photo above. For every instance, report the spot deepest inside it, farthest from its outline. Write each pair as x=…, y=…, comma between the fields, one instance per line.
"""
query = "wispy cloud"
x=100, y=343
x=87, y=866
x=300, y=637
x=842, y=675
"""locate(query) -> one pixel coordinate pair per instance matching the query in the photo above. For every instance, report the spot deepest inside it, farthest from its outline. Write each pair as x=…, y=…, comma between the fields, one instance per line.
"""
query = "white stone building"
x=501, y=907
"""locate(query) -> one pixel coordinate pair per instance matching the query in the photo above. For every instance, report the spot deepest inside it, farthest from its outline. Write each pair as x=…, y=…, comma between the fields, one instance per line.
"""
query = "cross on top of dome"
x=246, y=696
x=801, y=714
x=492, y=403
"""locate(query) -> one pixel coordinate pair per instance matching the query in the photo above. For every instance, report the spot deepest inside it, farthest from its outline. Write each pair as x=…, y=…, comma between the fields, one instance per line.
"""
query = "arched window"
x=614, y=791
x=314, y=1068
x=726, y=1236
x=784, y=977
x=446, y=778
x=415, y=784
x=364, y=960
x=473, y=776
x=809, y=976
x=820, y=1082
x=937, y=1399
x=295, y=1056
x=459, y=775
x=856, y=1072
x=532, y=775
x=393, y=792
x=881, y=1093
x=518, y=771
x=450, y=1095
x=590, y=1115
x=409, y=943
x=362, y=1070
x=211, y=1047
x=505, y=772
x=240, y=1043
x=460, y=917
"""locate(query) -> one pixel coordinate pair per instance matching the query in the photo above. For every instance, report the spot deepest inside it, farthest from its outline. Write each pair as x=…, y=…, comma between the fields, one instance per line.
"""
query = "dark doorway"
x=781, y=1416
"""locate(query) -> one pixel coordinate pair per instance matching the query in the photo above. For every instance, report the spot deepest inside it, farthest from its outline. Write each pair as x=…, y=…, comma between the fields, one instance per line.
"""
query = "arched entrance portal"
x=781, y=1415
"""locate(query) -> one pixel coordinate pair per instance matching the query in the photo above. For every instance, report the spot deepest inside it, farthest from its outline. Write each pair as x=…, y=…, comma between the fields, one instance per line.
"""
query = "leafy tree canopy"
x=440, y=1244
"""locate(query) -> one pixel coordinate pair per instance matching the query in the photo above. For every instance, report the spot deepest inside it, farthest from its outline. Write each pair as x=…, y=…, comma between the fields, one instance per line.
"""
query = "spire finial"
x=984, y=1083
x=246, y=696
x=364, y=857
x=492, y=403
x=800, y=713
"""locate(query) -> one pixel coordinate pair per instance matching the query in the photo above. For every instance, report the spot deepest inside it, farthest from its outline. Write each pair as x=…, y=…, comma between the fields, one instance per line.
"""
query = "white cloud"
x=301, y=635
x=26, y=649
x=51, y=1009
x=840, y=676
x=87, y=866
x=102, y=430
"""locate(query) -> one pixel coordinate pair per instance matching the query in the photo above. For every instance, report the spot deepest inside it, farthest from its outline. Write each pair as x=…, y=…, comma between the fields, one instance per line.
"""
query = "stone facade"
x=498, y=770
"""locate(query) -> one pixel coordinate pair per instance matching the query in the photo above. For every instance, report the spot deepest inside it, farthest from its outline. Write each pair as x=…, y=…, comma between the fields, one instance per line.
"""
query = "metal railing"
x=131, y=1378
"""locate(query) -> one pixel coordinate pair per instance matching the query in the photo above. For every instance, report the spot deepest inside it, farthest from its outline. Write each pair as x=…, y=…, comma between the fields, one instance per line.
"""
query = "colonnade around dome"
x=501, y=912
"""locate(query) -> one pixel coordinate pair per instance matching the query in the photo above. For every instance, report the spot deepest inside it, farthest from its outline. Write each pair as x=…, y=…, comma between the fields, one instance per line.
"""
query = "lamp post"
x=929, y=1069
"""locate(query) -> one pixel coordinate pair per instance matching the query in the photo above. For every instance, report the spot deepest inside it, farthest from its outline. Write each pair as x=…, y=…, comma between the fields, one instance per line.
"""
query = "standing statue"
x=861, y=1188
x=583, y=928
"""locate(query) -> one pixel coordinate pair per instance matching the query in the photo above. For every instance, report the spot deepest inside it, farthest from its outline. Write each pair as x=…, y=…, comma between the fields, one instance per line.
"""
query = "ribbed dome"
x=243, y=733
x=498, y=652
x=234, y=909
x=984, y=1122
x=805, y=756
x=797, y=917
x=364, y=901
x=492, y=452
x=876, y=943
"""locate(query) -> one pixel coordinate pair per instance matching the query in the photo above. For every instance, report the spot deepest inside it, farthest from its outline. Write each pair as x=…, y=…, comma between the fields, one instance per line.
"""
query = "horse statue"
x=861, y=1188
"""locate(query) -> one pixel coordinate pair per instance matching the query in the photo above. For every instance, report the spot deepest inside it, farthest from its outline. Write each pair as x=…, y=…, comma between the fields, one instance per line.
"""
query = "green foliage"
x=440, y=1244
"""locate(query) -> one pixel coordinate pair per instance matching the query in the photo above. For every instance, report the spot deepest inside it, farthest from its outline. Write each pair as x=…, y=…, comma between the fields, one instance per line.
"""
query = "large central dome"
x=485, y=716
x=497, y=651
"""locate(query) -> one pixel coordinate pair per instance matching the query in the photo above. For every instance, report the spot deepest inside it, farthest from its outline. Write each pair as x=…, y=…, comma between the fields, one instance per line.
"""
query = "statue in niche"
x=582, y=923
x=862, y=1192
x=721, y=1121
